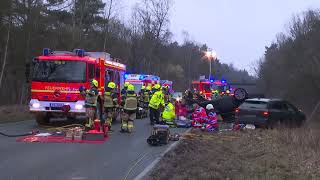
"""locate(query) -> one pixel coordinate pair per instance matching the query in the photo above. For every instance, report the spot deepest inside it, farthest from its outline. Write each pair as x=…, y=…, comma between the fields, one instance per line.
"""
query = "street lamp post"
x=211, y=55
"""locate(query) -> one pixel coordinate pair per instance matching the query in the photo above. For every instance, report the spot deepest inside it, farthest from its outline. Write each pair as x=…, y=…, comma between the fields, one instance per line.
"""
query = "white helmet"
x=209, y=107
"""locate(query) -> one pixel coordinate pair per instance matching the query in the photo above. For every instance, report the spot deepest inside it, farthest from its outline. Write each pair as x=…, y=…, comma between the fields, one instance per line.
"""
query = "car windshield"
x=59, y=71
x=254, y=104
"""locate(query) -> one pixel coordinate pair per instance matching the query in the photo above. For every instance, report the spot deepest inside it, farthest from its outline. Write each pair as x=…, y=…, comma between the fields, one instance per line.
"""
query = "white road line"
x=142, y=175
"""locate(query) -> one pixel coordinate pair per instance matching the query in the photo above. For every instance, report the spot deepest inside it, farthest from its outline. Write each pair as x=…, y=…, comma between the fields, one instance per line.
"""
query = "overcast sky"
x=238, y=30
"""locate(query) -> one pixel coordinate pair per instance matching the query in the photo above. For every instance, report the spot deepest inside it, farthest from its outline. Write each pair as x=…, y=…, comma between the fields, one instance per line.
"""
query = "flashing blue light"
x=79, y=52
x=211, y=80
x=142, y=77
x=46, y=51
x=126, y=76
x=223, y=81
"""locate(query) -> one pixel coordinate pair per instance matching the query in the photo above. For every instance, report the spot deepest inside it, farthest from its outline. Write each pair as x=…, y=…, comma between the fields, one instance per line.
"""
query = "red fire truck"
x=57, y=76
x=207, y=86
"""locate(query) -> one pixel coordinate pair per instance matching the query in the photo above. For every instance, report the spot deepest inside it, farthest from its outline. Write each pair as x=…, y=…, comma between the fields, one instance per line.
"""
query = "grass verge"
x=14, y=113
x=251, y=154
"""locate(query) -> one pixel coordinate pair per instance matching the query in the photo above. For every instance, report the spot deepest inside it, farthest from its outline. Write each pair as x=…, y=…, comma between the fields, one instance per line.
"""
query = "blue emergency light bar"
x=142, y=77
x=79, y=52
x=46, y=52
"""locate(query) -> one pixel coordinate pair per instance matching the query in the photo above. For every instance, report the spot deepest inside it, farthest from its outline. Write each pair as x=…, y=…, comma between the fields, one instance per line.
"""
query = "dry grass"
x=14, y=113
x=256, y=154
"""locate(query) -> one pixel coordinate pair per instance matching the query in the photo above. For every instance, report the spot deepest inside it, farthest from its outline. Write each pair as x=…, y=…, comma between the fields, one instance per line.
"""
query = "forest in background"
x=290, y=67
x=144, y=42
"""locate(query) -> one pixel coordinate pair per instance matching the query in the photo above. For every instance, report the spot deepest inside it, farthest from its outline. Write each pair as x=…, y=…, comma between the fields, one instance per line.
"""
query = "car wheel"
x=240, y=94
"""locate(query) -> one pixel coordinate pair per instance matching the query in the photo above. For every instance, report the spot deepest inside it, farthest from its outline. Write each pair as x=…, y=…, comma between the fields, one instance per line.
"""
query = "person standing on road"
x=124, y=90
x=215, y=94
x=146, y=96
x=110, y=103
x=130, y=105
x=141, y=94
x=156, y=104
x=90, y=101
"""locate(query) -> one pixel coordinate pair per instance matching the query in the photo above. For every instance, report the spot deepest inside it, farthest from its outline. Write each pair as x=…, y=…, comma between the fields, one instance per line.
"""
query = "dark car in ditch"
x=269, y=113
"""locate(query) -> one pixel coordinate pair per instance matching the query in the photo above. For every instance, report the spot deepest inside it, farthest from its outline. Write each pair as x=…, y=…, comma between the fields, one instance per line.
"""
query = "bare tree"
x=5, y=55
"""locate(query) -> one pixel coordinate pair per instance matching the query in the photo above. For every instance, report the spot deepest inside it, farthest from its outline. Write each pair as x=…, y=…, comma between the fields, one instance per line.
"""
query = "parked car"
x=269, y=113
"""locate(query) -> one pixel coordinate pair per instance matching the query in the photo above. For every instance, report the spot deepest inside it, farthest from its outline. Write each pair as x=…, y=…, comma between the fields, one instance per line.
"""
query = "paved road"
x=111, y=160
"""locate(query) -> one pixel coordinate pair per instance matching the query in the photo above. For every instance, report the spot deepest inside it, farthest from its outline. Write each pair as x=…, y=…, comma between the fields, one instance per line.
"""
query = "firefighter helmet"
x=148, y=88
x=209, y=107
x=143, y=88
x=111, y=85
x=126, y=84
x=94, y=82
x=157, y=86
x=130, y=87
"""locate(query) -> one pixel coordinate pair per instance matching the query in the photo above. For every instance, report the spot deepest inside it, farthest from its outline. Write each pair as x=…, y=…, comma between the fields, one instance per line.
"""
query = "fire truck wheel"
x=42, y=119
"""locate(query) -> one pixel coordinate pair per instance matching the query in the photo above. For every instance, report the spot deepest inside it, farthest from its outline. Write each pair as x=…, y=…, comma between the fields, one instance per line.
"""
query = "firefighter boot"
x=130, y=126
x=124, y=126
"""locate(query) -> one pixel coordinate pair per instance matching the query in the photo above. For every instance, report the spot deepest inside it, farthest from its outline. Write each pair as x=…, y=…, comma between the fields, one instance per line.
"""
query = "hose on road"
x=18, y=135
x=49, y=128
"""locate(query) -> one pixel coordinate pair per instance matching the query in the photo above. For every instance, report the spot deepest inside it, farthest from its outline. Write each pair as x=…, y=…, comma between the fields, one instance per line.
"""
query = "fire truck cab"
x=57, y=76
x=139, y=80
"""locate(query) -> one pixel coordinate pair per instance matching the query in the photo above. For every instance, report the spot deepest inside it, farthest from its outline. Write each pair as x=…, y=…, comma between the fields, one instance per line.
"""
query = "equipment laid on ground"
x=183, y=123
x=70, y=134
x=159, y=136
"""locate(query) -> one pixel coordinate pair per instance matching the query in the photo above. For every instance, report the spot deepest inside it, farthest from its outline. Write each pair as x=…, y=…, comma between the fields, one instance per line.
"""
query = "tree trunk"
x=107, y=26
x=5, y=56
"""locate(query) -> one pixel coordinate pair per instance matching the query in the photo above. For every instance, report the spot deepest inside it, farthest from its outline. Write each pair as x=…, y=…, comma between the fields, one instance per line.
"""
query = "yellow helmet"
x=130, y=87
x=157, y=86
x=94, y=82
x=126, y=84
x=111, y=85
x=143, y=88
x=149, y=88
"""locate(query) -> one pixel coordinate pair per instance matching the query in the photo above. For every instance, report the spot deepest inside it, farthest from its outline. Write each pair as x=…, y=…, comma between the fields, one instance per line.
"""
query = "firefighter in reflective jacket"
x=141, y=96
x=156, y=104
x=169, y=114
x=130, y=105
x=124, y=90
x=110, y=103
x=146, y=96
x=90, y=101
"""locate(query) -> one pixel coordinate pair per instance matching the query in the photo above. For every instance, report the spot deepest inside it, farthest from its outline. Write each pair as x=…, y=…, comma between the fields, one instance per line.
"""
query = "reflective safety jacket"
x=169, y=112
x=91, y=97
x=146, y=96
x=156, y=100
x=130, y=102
x=110, y=99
